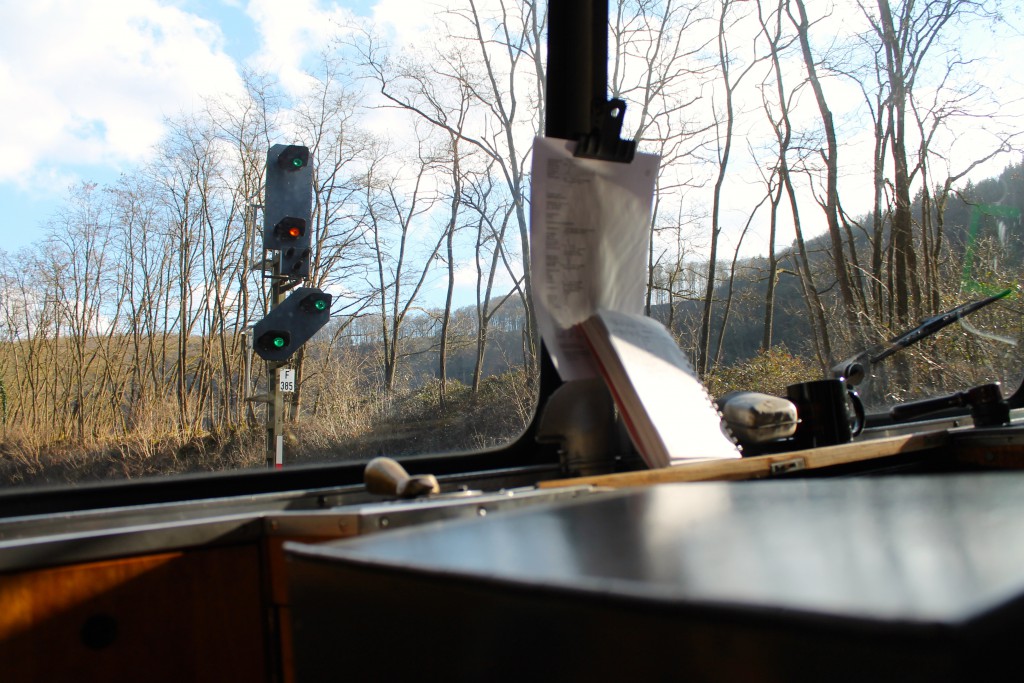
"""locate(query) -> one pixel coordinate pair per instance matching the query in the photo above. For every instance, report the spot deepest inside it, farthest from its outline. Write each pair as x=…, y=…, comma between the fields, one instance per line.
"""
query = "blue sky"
x=85, y=86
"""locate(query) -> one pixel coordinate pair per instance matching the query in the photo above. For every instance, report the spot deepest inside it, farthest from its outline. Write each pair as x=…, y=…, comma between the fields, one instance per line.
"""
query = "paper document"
x=590, y=229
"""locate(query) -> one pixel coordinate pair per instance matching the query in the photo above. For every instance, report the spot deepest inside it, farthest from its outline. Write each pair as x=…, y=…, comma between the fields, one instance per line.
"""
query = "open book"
x=667, y=410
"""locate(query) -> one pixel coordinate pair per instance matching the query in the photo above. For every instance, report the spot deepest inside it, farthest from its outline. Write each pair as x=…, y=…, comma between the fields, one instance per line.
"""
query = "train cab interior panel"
x=869, y=527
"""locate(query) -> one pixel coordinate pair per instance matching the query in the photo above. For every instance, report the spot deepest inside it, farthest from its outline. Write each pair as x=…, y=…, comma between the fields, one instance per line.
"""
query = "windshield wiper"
x=855, y=368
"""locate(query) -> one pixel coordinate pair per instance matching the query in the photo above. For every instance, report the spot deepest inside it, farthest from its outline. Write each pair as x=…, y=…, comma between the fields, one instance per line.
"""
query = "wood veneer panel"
x=182, y=616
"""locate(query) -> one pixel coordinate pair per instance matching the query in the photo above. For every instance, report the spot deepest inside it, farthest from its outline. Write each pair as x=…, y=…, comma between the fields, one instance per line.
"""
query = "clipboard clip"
x=604, y=141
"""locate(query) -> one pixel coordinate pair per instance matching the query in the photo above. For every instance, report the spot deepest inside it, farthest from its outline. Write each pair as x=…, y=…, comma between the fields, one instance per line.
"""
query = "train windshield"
x=831, y=174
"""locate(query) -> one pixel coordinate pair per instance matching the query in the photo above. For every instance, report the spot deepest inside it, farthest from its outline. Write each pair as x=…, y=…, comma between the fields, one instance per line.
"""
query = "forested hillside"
x=979, y=250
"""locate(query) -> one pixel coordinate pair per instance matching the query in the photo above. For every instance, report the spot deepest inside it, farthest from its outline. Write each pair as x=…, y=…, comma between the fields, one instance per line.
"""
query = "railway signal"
x=293, y=320
x=287, y=208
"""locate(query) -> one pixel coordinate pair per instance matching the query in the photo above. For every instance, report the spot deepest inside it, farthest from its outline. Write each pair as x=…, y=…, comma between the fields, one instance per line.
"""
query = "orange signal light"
x=289, y=229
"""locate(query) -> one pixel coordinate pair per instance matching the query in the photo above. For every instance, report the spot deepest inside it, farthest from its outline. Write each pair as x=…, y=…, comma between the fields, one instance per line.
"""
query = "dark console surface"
x=932, y=566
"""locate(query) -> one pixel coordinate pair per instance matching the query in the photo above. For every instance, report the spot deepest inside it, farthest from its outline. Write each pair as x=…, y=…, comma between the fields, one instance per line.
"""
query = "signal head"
x=290, y=228
x=291, y=323
x=274, y=340
x=293, y=158
x=316, y=303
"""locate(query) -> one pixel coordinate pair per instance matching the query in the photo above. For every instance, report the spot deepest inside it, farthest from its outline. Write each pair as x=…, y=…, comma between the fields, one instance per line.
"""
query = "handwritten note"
x=590, y=229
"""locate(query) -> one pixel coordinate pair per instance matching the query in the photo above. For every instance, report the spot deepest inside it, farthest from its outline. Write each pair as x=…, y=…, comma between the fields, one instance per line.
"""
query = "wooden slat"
x=761, y=466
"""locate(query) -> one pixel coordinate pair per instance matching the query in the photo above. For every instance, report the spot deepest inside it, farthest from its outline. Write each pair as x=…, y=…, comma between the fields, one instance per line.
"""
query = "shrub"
x=768, y=372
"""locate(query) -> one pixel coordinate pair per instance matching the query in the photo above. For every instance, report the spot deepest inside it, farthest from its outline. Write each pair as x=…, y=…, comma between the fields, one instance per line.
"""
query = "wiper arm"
x=853, y=369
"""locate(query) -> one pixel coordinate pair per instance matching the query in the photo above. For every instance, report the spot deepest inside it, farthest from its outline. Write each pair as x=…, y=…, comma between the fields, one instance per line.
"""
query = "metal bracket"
x=580, y=417
x=786, y=466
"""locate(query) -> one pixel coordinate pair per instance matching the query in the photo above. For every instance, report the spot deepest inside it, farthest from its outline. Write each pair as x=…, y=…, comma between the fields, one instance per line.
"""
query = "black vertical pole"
x=577, y=80
x=275, y=398
x=577, y=68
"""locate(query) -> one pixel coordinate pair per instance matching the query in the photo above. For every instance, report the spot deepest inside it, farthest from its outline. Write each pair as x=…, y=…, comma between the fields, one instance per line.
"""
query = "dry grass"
x=23, y=462
x=357, y=425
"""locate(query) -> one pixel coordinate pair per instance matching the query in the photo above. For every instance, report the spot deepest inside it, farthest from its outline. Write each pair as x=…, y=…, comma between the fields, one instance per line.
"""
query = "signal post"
x=275, y=396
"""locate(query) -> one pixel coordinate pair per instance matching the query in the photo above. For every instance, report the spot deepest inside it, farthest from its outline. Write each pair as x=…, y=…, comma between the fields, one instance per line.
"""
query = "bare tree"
x=393, y=211
x=657, y=70
x=908, y=33
x=730, y=289
x=778, y=41
x=730, y=83
x=831, y=158
x=499, y=61
x=327, y=121
x=79, y=259
x=482, y=197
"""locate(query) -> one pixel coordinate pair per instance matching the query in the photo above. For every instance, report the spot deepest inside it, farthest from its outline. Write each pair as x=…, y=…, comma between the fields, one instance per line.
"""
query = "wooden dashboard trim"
x=761, y=466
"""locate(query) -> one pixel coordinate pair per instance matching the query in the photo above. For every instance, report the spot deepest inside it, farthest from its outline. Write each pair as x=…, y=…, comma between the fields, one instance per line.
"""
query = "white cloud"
x=410, y=22
x=292, y=31
x=90, y=83
x=465, y=274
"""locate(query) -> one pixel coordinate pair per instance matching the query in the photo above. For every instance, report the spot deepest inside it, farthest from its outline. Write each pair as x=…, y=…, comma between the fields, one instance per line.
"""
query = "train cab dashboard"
x=889, y=557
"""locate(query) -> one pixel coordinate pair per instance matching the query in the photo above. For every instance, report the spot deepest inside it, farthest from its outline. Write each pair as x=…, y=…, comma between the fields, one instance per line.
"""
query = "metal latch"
x=786, y=466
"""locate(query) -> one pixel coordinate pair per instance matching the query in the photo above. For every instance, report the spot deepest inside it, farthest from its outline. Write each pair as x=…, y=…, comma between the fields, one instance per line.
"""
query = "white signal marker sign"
x=286, y=380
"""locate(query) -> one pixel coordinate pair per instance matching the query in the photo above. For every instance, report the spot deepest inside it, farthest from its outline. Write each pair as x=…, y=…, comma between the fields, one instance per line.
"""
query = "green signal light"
x=279, y=342
x=315, y=303
x=290, y=158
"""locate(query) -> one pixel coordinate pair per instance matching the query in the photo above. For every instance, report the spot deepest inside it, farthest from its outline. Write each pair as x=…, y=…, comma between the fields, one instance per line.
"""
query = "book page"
x=590, y=224
x=664, y=399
